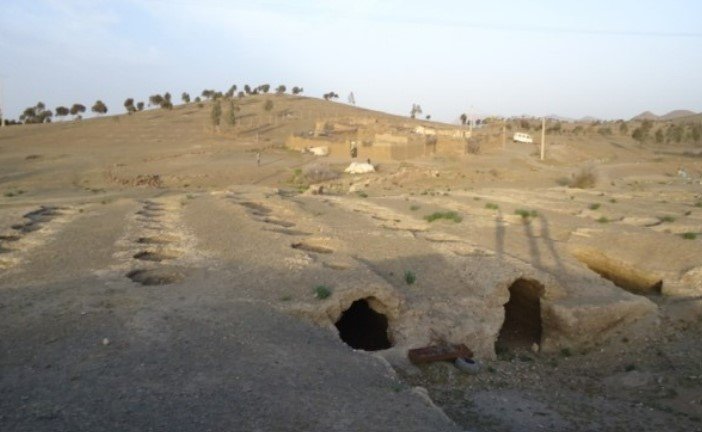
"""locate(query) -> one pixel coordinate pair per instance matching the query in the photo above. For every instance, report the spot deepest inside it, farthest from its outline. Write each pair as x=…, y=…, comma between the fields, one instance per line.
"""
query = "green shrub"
x=322, y=292
x=410, y=277
x=594, y=206
x=689, y=235
x=449, y=215
x=414, y=207
x=491, y=206
x=666, y=218
x=526, y=214
x=603, y=219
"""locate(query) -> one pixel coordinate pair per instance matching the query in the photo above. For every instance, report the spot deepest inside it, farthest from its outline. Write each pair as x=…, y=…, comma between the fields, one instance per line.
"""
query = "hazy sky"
x=611, y=59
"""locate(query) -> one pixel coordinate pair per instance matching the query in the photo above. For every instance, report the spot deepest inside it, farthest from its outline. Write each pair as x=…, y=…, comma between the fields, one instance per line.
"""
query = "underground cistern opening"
x=522, y=325
x=363, y=328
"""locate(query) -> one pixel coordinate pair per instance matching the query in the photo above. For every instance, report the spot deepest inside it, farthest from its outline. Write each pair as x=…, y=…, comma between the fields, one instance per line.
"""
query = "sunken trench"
x=522, y=327
x=623, y=275
x=362, y=327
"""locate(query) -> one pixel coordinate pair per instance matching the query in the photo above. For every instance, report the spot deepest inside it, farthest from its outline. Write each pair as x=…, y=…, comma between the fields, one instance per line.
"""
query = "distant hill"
x=646, y=115
x=673, y=115
x=677, y=114
x=588, y=119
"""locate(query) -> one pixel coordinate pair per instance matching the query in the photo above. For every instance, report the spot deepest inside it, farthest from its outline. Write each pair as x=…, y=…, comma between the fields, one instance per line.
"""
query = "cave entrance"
x=522, y=326
x=363, y=328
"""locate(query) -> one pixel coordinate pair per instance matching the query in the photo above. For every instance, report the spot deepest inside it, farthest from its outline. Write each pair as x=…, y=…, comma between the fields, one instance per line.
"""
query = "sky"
x=609, y=59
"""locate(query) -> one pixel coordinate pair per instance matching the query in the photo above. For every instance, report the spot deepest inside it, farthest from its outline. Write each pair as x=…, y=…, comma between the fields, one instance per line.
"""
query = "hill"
x=676, y=114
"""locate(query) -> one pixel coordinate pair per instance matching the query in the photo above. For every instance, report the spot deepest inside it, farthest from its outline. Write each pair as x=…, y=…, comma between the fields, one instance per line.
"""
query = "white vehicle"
x=522, y=137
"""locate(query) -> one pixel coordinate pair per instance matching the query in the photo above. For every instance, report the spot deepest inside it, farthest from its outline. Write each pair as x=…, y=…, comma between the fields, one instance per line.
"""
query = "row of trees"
x=39, y=114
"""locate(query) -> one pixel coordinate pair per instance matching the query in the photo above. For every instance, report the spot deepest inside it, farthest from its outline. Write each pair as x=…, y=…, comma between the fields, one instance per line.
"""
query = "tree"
x=639, y=134
x=197, y=99
x=297, y=90
x=330, y=96
x=167, y=97
x=247, y=89
x=623, y=128
x=129, y=105
x=140, y=106
x=464, y=119
x=77, y=109
x=155, y=99
x=268, y=105
x=231, y=114
x=264, y=88
x=428, y=117
x=166, y=104
x=62, y=111
x=416, y=109
x=36, y=114
x=216, y=114
x=231, y=92
x=352, y=99
x=185, y=97
x=659, y=136
x=99, y=107
x=280, y=89
x=241, y=94
x=207, y=94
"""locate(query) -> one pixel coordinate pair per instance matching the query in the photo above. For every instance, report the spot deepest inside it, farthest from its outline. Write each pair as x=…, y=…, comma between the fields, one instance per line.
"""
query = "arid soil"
x=153, y=277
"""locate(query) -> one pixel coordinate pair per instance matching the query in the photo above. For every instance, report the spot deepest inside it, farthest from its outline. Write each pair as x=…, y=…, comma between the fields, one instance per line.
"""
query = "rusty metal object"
x=435, y=353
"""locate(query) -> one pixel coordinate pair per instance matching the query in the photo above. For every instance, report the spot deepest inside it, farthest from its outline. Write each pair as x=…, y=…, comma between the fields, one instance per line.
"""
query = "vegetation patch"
x=410, y=277
x=594, y=206
x=586, y=178
x=526, y=214
x=666, y=218
x=322, y=292
x=689, y=235
x=492, y=206
x=449, y=215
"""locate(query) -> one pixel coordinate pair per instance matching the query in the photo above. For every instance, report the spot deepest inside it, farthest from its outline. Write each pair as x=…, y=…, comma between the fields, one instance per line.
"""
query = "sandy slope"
x=153, y=277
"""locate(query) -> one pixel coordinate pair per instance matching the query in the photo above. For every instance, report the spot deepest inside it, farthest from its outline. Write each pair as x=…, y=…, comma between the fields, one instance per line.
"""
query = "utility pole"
x=543, y=137
x=504, y=134
x=2, y=113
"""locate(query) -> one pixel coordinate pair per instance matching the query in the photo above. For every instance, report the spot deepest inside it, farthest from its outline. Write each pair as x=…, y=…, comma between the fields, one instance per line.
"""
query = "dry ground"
x=154, y=278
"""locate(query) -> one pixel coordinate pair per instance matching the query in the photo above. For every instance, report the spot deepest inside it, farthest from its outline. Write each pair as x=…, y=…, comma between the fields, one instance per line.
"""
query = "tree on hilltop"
x=264, y=88
x=129, y=105
x=99, y=107
x=464, y=119
x=297, y=90
x=231, y=92
x=77, y=109
x=155, y=99
x=330, y=96
x=416, y=109
x=62, y=111
x=140, y=106
x=280, y=89
x=185, y=97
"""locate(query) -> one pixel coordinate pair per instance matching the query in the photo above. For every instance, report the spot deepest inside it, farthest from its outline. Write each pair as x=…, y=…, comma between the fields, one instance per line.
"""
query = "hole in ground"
x=163, y=276
x=155, y=256
x=311, y=248
x=284, y=224
x=258, y=208
x=290, y=232
x=363, y=328
x=156, y=240
x=522, y=325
